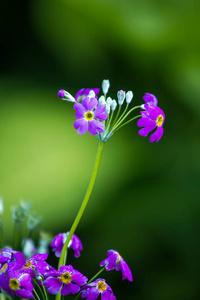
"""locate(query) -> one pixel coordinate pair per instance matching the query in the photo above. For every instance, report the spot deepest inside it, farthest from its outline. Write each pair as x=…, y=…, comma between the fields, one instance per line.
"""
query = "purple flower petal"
x=53, y=285
x=156, y=136
x=144, y=131
x=80, y=110
x=81, y=125
x=38, y=257
x=144, y=122
x=100, y=113
x=126, y=272
x=150, y=98
x=24, y=294
x=89, y=103
x=70, y=288
x=95, y=127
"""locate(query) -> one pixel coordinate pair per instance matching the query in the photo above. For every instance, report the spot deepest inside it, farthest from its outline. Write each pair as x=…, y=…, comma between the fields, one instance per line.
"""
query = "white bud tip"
x=129, y=97
x=105, y=86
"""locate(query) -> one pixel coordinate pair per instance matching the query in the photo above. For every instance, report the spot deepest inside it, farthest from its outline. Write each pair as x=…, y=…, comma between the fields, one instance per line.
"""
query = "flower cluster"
x=19, y=277
x=100, y=116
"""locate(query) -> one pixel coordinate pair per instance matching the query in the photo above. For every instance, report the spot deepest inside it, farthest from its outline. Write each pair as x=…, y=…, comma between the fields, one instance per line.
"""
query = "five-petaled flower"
x=152, y=117
x=66, y=278
x=115, y=261
x=92, y=290
x=16, y=283
x=89, y=114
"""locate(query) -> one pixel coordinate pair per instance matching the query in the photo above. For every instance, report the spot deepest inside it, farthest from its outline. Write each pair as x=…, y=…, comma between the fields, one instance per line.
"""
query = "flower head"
x=16, y=283
x=66, y=278
x=115, y=261
x=153, y=117
x=59, y=241
x=89, y=114
x=92, y=290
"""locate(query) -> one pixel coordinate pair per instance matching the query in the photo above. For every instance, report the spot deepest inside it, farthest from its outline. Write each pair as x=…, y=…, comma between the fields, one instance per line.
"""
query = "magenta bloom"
x=153, y=117
x=115, y=261
x=150, y=98
x=84, y=93
x=92, y=290
x=35, y=265
x=59, y=240
x=66, y=278
x=18, y=284
x=88, y=114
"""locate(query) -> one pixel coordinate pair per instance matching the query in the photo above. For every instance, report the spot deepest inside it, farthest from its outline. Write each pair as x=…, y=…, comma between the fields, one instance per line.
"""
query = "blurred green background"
x=146, y=202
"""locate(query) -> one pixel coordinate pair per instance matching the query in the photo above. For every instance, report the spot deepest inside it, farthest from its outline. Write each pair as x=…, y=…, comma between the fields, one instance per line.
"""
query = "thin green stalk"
x=113, y=129
x=114, y=125
x=42, y=292
x=117, y=115
x=36, y=294
x=63, y=256
x=128, y=122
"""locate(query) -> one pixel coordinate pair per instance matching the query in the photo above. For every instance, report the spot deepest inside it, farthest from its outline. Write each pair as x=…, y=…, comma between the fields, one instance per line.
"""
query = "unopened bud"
x=129, y=97
x=64, y=95
x=105, y=86
x=109, y=101
x=114, y=105
x=121, y=97
x=102, y=100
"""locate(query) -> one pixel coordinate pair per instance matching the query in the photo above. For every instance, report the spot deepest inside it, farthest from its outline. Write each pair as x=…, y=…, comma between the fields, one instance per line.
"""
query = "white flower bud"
x=107, y=110
x=114, y=105
x=102, y=100
x=121, y=97
x=91, y=94
x=105, y=86
x=129, y=97
x=109, y=101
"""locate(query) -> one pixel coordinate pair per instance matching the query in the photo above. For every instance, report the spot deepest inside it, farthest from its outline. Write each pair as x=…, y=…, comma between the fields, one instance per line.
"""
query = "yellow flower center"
x=3, y=268
x=66, y=278
x=101, y=286
x=14, y=284
x=159, y=120
x=28, y=264
x=89, y=116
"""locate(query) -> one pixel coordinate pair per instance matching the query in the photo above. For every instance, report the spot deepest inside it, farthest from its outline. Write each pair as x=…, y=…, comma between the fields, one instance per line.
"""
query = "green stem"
x=115, y=124
x=127, y=122
x=63, y=256
x=36, y=294
x=113, y=129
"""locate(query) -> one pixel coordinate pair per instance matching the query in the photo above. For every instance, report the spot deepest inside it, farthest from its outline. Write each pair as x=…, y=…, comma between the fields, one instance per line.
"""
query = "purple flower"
x=66, y=278
x=84, y=93
x=18, y=284
x=115, y=261
x=35, y=265
x=151, y=118
x=150, y=98
x=92, y=290
x=59, y=240
x=88, y=113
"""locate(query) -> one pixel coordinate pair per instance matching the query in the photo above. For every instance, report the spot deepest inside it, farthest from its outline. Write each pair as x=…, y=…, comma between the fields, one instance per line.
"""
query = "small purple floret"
x=92, y=290
x=115, y=261
x=89, y=114
x=59, y=240
x=152, y=117
x=61, y=93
